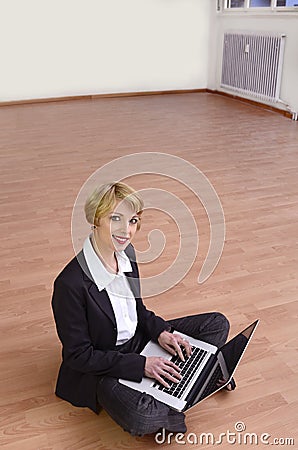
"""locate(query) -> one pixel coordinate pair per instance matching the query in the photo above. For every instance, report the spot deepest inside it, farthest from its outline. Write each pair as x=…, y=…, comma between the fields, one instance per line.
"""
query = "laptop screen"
x=232, y=351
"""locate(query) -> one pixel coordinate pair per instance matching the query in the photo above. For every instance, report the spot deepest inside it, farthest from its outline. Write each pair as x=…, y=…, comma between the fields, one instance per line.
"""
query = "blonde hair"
x=103, y=200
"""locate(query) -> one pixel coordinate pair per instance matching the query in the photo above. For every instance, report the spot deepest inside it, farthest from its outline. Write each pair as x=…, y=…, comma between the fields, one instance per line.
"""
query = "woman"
x=103, y=324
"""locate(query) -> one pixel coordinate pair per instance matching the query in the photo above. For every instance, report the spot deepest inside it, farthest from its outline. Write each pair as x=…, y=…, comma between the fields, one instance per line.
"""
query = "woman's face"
x=116, y=230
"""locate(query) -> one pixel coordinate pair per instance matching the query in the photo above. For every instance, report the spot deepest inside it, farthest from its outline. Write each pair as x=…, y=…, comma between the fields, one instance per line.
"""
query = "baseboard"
x=141, y=94
x=251, y=102
x=44, y=100
x=98, y=96
x=145, y=93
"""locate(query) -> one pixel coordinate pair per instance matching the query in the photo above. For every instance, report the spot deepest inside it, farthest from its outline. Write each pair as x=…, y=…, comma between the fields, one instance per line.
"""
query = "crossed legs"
x=140, y=413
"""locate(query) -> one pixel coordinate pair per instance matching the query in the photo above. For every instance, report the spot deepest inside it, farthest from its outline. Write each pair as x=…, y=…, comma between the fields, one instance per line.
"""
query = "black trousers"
x=140, y=413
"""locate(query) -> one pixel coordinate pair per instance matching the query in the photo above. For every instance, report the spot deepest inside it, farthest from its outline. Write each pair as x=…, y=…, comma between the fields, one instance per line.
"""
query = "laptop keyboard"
x=188, y=367
x=212, y=385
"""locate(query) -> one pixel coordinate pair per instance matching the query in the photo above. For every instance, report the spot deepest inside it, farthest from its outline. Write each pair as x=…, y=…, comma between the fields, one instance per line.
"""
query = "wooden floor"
x=249, y=155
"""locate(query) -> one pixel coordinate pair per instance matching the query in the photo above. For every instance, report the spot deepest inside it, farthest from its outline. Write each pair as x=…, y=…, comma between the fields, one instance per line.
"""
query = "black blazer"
x=86, y=326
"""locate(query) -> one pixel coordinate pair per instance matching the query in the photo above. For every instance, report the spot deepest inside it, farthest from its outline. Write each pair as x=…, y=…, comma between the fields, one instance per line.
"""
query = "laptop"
x=201, y=373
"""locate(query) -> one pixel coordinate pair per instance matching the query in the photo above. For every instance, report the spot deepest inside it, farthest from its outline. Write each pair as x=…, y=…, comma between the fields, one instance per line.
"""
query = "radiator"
x=252, y=64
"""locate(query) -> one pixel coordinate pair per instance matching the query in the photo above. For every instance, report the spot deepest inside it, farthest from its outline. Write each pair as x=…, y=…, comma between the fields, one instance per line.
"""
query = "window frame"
x=254, y=9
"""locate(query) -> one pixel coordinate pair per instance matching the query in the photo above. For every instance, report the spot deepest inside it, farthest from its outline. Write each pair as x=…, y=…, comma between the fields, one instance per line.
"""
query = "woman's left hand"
x=173, y=343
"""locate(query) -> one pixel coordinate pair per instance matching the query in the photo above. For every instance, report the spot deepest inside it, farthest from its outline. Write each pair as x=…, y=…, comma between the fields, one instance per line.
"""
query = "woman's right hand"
x=160, y=368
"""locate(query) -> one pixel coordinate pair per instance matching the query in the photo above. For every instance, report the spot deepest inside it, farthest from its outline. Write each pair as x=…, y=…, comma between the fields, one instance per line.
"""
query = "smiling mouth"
x=120, y=239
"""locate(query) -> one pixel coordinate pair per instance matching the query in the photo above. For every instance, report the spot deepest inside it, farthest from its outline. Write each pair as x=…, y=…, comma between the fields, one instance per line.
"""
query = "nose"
x=125, y=227
x=128, y=228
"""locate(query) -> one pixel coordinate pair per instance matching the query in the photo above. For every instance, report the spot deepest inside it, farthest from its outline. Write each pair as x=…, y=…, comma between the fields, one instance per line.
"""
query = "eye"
x=115, y=218
x=134, y=220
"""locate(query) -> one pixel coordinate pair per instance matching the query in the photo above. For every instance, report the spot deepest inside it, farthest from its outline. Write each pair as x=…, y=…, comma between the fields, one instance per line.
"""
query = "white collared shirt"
x=118, y=290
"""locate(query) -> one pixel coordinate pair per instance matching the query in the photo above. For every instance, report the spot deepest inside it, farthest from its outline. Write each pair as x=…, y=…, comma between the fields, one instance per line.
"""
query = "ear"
x=96, y=221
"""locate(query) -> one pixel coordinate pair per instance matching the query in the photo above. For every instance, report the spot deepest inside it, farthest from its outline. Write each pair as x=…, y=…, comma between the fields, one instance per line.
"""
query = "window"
x=235, y=4
x=260, y=3
x=287, y=3
x=276, y=5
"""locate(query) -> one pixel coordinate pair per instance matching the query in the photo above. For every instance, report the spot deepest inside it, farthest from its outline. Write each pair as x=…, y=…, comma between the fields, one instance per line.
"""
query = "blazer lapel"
x=134, y=284
x=100, y=297
x=102, y=300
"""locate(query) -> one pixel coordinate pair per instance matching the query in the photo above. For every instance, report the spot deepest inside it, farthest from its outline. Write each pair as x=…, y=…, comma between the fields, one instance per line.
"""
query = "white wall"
x=284, y=22
x=55, y=48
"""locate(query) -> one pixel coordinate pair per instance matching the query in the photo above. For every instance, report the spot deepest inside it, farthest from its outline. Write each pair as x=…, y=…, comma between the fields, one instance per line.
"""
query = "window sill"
x=260, y=12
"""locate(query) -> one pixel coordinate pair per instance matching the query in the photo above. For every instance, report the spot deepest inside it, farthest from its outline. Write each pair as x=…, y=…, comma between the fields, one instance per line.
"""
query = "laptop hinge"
x=200, y=381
